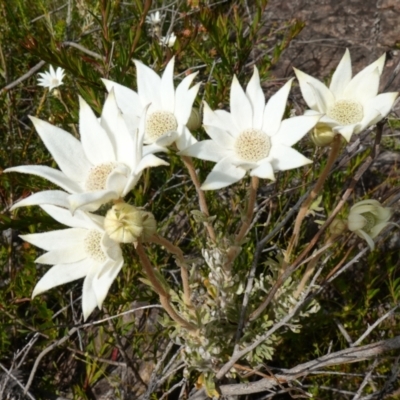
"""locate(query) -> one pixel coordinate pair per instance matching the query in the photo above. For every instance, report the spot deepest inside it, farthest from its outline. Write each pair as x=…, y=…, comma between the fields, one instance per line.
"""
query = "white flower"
x=154, y=18
x=105, y=165
x=82, y=251
x=251, y=137
x=168, y=40
x=367, y=218
x=169, y=109
x=350, y=104
x=51, y=79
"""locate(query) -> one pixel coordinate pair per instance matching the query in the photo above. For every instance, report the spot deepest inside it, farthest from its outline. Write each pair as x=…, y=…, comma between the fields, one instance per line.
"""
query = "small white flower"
x=51, y=79
x=367, y=218
x=350, y=104
x=105, y=165
x=154, y=18
x=168, y=40
x=169, y=109
x=251, y=137
x=82, y=251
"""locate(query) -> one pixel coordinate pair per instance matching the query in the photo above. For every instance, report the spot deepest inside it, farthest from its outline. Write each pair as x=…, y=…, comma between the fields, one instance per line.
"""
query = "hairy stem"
x=202, y=199
x=158, y=287
x=181, y=262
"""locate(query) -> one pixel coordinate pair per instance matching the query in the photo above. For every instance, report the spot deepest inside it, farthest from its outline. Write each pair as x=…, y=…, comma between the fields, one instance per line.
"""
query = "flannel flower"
x=350, y=104
x=252, y=137
x=367, y=218
x=169, y=109
x=105, y=165
x=51, y=79
x=82, y=251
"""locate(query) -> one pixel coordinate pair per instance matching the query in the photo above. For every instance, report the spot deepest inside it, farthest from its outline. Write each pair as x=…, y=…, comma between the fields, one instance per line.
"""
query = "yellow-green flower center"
x=252, y=145
x=159, y=123
x=346, y=112
x=92, y=244
x=370, y=221
x=97, y=177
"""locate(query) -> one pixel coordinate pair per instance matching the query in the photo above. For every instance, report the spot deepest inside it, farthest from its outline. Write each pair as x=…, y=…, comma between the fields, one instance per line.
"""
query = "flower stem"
x=181, y=262
x=202, y=199
x=233, y=251
x=335, y=147
x=164, y=296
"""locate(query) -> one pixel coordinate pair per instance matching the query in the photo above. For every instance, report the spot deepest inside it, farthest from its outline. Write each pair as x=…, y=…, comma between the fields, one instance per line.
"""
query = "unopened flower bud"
x=124, y=223
x=322, y=135
x=337, y=227
x=367, y=218
x=149, y=225
x=194, y=121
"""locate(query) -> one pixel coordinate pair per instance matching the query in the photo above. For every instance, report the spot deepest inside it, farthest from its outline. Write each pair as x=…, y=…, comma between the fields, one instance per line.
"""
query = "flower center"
x=370, y=221
x=252, y=145
x=97, y=177
x=55, y=82
x=92, y=244
x=346, y=112
x=160, y=123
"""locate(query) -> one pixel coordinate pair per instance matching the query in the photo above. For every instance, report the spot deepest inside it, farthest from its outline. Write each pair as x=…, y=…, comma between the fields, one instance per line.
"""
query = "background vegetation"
x=93, y=39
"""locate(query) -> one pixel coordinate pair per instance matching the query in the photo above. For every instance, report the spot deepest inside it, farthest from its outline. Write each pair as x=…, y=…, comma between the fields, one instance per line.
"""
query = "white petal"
x=367, y=238
x=275, y=108
x=55, y=197
x=184, y=98
x=128, y=100
x=65, y=149
x=240, y=106
x=122, y=140
x=293, y=129
x=378, y=64
x=223, y=174
x=206, y=150
x=51, y=174
x=65, y=255
x=149, y=161
x=323, y=103
x=220, y=119
x=346, y=131
x=355, y=222
x=342, y=76
x=66, y=238
x=61, y=274
x=89, y=300
x=382, y=103
x=185, y=139
x=284, y=158
x=148, y=83
x=220, y=136
x=95, y=140
x=376, y=230
x=102, y=283
x=308, y=93
x=167, y=88
x=363, y=88
x=257, y=99
x=264, y=171
x=80, y=219
x=98, y=197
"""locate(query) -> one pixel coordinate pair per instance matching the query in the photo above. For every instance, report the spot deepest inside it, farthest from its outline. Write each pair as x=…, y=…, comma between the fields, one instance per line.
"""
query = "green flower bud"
x=124, y=223
x=322, y=135
x=194, y=121
x=149, y=225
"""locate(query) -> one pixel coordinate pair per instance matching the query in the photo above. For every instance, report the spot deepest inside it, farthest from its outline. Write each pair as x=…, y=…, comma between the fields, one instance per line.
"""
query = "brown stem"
x=233, y=251
x=288, y=271
x=202, y=199
x=181, y=262
x=335, y=147
x=164, y=296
